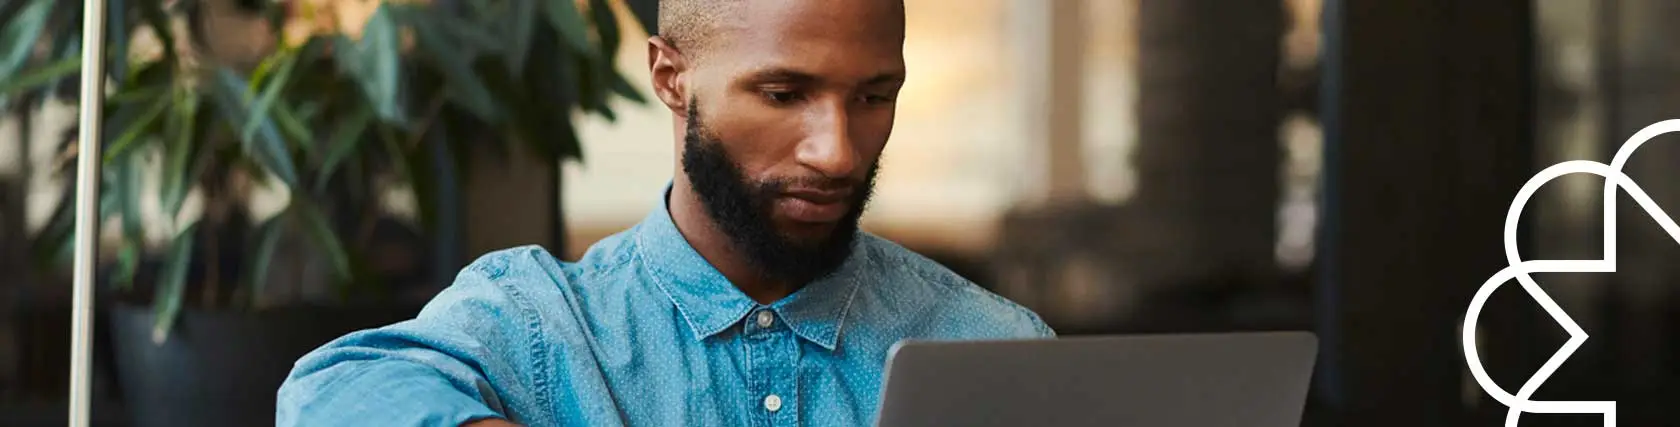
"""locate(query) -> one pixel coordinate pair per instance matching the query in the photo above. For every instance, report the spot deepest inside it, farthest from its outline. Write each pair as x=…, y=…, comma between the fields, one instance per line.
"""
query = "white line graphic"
x=1520, y=270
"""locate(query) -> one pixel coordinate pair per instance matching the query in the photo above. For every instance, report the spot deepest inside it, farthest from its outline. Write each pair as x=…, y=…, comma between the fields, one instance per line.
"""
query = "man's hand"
x=492, y=422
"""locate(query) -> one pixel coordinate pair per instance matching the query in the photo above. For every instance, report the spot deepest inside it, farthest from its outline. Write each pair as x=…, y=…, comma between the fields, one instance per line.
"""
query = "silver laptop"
x=1256, y=379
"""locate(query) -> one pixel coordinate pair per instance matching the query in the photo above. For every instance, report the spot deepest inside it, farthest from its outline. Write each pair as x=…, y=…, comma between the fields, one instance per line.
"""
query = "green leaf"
x=308, y=110
x=326, y=239
x=606, y=25
x=646, y=12
x=524, y=122
x=136, y=95
x=270, y=94
x=143, y=126
x=172, y=285
x=524, y=23
x=286, y=77
x=128, y=188
x=144, y=86
x=542, y=102
x=294, y=127
x=116, y=41
x=374, y=62
x=571, y=148
x=40, y=77
x=268, y=239
x=19, y=35
x=259, y=74
x=564, y=17
x=593, y=87
x=268, y=148
x=463, y=84
x=110, y=202
x=122, y=181
x=181, y=157
x=345, y=139
x=622, y=87
x=606, y=28
x=128, y=261
x=553, y=78
x=455, y=28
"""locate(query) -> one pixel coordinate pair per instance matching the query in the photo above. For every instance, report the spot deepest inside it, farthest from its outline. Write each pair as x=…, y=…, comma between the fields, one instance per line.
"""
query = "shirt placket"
x=772, y=387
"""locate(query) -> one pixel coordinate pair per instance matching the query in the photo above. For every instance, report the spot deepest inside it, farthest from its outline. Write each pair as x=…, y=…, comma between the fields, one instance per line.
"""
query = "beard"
x=741, y=209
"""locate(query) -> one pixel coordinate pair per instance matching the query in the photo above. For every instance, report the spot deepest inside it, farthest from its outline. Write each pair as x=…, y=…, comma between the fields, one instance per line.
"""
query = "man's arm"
x=453, y=364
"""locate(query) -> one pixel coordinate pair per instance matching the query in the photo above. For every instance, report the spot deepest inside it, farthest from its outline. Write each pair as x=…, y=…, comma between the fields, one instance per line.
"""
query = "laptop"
x=1253, y=379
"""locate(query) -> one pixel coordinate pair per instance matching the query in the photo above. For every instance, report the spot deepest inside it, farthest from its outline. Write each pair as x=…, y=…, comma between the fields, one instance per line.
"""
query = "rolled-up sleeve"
x=454, y=363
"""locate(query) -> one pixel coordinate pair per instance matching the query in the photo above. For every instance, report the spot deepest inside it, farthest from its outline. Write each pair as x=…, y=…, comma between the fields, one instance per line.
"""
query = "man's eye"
x=781, y=96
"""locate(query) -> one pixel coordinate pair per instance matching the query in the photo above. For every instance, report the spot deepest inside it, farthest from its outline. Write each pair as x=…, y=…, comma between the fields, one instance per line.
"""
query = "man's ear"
x=666, y=64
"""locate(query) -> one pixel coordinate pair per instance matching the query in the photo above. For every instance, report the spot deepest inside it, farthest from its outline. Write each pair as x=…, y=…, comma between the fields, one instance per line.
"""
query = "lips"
x=813, y=206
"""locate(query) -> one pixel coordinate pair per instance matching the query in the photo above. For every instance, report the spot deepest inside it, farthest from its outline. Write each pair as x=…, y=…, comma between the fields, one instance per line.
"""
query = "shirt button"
x=772, y=403
x=765, y=319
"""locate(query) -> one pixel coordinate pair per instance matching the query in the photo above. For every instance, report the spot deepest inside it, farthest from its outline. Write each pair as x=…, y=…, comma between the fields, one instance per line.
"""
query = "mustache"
x=813, y=183
x=858, y=190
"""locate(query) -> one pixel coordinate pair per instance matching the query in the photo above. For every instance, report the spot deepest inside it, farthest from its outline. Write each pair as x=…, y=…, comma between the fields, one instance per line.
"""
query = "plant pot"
x=40, y=331
x=222, y=368
x=42, y=334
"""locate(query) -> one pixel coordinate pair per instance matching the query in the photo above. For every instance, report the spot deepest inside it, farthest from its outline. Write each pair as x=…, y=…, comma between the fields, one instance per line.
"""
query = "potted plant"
x=333, y=111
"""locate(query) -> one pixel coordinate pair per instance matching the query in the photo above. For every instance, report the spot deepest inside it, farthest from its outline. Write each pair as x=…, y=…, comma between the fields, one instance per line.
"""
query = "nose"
x=829, y=148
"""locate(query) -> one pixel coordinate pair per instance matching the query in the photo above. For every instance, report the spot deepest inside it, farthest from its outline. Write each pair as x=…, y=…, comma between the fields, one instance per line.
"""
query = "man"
x=749, y=297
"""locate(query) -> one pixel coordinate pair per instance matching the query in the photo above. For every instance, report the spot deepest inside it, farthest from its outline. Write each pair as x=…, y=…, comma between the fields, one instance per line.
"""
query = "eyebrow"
x=787, y=75
x=894, y=77
x=790, y=75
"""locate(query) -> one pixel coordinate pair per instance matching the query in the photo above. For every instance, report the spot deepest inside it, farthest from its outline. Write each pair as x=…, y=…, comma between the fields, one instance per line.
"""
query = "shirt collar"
x=710, y=303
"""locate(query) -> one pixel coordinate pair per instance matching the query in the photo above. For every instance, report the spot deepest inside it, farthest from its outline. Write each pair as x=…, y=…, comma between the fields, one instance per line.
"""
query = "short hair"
x=691, y=25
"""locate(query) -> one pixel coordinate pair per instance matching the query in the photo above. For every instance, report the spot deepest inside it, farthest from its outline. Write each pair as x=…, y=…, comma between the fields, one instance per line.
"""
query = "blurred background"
x=277, y=175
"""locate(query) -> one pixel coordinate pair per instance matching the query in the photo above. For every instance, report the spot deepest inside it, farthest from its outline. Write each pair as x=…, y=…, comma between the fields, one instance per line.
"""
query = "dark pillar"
x=1428, y=137
x=1208, y=110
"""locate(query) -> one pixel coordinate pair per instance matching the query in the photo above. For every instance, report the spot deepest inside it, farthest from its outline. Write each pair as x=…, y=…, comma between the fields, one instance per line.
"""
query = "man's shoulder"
x=521, y=285
x=518, y=260
x=510, y=278
x=533, y=267
x=952, y=299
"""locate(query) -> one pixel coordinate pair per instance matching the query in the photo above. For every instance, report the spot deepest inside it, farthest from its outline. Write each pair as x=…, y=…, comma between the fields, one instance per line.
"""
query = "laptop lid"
x=1256, y=379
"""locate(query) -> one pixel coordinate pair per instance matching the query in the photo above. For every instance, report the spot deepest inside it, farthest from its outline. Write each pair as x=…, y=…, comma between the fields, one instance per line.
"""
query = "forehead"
x=824, y=37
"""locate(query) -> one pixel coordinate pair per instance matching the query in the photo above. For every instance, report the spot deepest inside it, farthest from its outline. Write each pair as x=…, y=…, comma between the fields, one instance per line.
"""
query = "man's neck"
x=716, y=247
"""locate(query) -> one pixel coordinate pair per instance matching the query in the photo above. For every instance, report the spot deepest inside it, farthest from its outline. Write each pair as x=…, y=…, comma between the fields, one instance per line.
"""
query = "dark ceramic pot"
x=222, y=368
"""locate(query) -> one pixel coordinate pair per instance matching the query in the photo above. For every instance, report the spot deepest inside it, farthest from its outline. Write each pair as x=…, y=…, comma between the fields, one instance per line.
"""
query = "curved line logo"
x=1521, y=270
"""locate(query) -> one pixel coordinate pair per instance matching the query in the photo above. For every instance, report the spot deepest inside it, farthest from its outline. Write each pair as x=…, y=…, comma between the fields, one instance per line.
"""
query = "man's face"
x=787, y=115
x=745, y=209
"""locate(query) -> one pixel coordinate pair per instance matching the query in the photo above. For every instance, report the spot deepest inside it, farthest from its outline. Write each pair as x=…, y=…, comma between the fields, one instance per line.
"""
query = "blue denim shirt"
x=642, y=331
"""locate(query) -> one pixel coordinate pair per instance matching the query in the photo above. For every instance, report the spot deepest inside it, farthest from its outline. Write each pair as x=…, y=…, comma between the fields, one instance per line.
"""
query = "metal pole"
x=87, y=210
